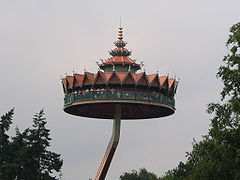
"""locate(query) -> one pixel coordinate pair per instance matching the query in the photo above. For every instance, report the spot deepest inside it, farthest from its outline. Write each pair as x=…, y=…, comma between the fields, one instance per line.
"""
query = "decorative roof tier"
x=119, y=51
x=119, y=62
x=90, y=81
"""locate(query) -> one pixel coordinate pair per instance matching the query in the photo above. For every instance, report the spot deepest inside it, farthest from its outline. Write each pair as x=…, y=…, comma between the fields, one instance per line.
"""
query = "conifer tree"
x=5, y=154
x=40, y=162
x=25, y=156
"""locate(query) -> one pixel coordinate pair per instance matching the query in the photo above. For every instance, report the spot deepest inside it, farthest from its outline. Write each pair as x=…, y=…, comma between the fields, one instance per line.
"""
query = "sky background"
x=42, y=40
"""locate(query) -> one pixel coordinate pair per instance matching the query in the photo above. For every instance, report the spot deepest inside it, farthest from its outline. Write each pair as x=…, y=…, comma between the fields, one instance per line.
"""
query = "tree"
x=41, y=162
x=143, y=174
x=217, y=156
x=20, y=156
x=25, y=156
x=5, y=154
x=225, y=126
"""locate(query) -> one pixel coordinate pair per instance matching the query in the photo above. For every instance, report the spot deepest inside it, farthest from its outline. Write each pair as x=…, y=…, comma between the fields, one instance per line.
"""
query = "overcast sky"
x=42, y=40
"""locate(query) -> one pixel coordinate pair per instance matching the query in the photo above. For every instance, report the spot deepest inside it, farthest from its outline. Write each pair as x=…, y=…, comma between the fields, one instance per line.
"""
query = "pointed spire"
x=119, y=59
x=120, y=42
x=120, y=22
x=120, y=33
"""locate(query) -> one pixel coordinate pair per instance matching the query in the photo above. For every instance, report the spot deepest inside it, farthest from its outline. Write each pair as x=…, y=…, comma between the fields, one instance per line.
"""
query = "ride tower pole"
x=112, y=146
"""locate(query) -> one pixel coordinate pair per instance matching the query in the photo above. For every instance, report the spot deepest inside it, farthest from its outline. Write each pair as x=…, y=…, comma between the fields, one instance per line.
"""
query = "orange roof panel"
x=121, y=76
x=102, y=74
x=162, y=79
x=128, y=78
x=107, y=76
x=90, y=76
x=114, y=78
x=152, y=77
x=70, y=80
x=140, y=75
x=119, y=59
x=170, y=82
x=79, y=78
x=64, y=82
x=135, y=77
x=100, y=78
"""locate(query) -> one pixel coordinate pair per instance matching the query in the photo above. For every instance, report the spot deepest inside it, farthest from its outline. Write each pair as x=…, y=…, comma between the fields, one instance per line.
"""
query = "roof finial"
x=120, y=31
x=120, y=22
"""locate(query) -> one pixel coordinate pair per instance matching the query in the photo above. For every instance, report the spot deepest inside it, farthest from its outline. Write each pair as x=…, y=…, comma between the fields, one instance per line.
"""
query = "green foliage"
x=143, y=174
x=26, y=156
x=168, y=176
x=230, y=72
x=5, y=154
x=217, y=156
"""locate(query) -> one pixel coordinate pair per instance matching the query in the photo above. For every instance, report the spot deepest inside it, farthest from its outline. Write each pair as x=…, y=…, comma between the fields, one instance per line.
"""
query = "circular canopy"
x=105, y=109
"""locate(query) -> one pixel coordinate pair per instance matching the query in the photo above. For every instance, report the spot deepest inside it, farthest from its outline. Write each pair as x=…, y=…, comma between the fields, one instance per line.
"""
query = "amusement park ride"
x=118, y=92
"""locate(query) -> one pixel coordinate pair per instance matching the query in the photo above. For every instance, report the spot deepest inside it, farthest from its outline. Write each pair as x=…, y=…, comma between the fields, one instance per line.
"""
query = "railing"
x=119, y=95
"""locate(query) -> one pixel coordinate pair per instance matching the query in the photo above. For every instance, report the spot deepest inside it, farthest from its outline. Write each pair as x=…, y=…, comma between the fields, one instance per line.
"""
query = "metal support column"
x=107, y=158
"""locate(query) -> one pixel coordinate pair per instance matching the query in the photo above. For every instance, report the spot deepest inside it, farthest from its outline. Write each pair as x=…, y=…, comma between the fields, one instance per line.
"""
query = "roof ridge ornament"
x=120, y=33
x=120, y=43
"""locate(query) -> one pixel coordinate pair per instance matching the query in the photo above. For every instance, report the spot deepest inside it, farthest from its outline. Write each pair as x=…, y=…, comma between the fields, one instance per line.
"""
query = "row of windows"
x=119, y=94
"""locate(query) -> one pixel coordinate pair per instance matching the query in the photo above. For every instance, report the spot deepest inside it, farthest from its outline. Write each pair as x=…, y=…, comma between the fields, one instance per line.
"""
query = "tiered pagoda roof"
x=120, y=70
x=119, y=80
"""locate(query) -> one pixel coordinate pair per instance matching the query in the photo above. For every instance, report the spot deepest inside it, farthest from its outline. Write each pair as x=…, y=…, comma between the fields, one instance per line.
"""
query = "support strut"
x=107, y=158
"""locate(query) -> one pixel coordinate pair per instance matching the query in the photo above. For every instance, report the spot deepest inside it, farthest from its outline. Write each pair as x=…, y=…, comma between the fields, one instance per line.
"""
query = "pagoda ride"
x=118, y=91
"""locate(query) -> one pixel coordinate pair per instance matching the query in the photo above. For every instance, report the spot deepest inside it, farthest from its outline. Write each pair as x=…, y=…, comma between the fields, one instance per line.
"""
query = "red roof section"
x=152, y=77
x=170, y=82
x=120, y=78
x=114, y=78
x=99, y=78
x=79, y=78
x=70, y=80
x=153, y=80
x=90, y=76
x=135, y=77
x=162, y=79
x=64, y=82
x=142, y=79
x=128, y=78
x=139, y=76
x=103, y=75
x=108, y=76
x=119, y=59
